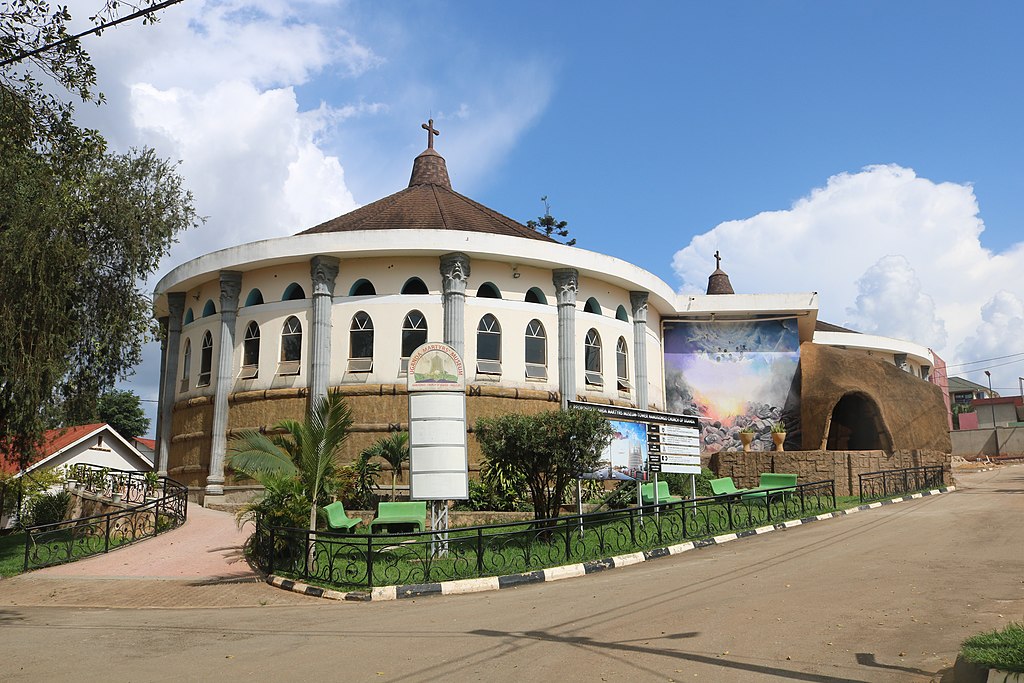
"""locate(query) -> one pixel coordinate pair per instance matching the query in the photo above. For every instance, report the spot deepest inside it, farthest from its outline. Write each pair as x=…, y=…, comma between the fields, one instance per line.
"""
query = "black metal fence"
x=885, y=483
x=156, y=504
x=368, y=560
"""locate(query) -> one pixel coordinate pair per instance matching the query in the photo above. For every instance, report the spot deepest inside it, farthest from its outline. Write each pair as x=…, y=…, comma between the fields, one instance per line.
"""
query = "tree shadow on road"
x=625, y=647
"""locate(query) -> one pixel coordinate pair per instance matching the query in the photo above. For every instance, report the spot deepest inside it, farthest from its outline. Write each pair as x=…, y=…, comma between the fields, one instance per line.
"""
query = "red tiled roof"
x=54, y=440
x=148, y=443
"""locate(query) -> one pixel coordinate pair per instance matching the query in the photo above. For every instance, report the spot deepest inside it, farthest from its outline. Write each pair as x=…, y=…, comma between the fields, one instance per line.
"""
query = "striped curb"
x=490, y=583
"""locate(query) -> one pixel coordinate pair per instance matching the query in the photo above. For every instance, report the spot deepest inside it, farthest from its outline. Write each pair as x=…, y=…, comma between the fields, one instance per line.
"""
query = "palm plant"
x=394, y=449
x=307, y=451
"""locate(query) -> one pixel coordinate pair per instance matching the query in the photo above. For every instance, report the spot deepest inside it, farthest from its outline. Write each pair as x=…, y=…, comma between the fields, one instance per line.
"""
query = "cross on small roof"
x=718, y=260
x=431, y=132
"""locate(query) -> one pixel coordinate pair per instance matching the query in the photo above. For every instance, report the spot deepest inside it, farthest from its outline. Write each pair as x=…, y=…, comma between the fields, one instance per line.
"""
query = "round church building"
x=254, y=331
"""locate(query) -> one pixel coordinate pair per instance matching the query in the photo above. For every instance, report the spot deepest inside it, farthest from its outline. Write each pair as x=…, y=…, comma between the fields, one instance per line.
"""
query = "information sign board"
x=438, y=454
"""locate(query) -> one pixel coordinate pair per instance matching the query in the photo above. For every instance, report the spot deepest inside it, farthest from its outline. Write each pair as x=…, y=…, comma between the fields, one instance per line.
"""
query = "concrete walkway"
x=200, y=564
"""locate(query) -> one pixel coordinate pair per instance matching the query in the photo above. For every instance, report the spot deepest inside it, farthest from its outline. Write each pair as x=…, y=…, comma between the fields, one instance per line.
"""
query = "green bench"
x=725, y=487
x=337, y=518
x=406, y=514
x=647, y=493
x=771, y=485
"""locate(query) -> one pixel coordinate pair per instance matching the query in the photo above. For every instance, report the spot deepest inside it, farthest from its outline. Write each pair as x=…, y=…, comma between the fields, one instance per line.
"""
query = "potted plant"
x=779, y=434
x=152, y=481
x=746, y=436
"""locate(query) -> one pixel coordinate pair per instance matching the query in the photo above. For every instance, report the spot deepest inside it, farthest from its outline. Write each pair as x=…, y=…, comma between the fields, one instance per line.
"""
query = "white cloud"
x=270, y=104
x=890, y=302
x=250, y=158
x=889, y=252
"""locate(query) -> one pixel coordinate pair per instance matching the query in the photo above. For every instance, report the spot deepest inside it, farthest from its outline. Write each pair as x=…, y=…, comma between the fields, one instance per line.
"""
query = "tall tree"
x=80, y=230
x=549, y=450
x=122, y=410
x=549, y=225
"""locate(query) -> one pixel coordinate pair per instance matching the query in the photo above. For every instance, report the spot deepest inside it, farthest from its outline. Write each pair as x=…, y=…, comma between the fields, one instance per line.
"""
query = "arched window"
x=251, y=351
x=205, y=360
x=536, y=351
x=186, y=364
x=414, y=335
x=255, y=298
x=622, y=364
x=293, y=292
x=488, y=346
x=414, y=285
x=620, y=314
x=592, y=306
x=291, y=347
x=209, y=308
x=362, y=287
x=488, y=290
x=360, y=343
x=189, y=317
x=534, y=295
x=592, y=359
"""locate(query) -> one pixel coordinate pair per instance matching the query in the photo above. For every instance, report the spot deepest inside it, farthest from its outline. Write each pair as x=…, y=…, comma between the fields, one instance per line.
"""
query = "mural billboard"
x=627, y=452
x=736, y=374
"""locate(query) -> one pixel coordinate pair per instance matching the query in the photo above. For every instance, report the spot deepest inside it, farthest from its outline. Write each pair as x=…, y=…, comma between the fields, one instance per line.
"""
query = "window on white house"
x=592, y=359
x=205, y=360
x=536, y=351
x=488, y=346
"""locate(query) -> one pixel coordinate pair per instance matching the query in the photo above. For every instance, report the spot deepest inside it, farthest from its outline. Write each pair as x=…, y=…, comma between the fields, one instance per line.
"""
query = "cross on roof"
x=718, y=260
x=431, y=132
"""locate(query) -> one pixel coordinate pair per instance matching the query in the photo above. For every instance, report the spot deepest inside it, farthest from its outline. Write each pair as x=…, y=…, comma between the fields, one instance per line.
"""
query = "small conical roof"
x=718, y=281
x=429, y=169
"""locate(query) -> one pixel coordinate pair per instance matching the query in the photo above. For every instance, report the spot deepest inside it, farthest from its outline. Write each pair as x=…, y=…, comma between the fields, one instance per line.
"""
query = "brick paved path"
x=199, y=564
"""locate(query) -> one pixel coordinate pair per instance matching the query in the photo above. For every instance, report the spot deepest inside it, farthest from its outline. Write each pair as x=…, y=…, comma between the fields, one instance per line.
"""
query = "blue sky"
x=867, y=151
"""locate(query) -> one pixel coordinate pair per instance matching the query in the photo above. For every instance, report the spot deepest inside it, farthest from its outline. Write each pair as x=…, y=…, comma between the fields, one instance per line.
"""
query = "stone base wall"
x=844, y=467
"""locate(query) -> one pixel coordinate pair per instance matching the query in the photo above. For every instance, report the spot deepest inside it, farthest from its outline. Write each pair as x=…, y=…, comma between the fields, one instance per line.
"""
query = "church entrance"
x=857, y=425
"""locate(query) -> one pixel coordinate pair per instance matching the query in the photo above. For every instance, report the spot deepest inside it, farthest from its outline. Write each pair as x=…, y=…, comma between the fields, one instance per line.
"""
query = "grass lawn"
x=1002, y=649
x=12, y=554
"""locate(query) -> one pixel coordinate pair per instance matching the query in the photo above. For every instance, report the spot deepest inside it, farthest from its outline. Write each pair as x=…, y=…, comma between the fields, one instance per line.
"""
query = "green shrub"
x=282, y=503
x=1001, y=649
x=48, y=508
x=485, y=496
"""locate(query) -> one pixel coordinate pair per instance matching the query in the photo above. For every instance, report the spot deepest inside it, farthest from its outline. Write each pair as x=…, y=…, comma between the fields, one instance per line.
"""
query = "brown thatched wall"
x=912, y=410
x=376, y=409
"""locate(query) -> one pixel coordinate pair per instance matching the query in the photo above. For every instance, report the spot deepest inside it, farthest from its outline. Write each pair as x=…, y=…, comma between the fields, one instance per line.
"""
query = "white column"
x=230, y=284
x=175, y=307
x=323, y=270
x=454, y=278
x=638, y=301
x=566, y=281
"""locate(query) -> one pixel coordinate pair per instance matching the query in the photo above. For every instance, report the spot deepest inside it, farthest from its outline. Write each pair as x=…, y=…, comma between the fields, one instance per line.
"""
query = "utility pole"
x=992, y=408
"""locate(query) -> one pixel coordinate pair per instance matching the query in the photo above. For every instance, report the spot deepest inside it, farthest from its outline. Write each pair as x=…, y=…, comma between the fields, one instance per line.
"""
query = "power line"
x=94, y=29
x=985, y=360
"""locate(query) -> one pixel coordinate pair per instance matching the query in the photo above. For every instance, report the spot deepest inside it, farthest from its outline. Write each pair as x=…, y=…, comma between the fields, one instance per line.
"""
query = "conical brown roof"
x=718, y=283
x=429, y=203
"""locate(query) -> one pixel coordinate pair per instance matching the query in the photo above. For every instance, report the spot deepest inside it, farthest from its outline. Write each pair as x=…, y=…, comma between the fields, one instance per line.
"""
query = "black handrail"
x=159, y=506
x=371, y=560
x=885, y=483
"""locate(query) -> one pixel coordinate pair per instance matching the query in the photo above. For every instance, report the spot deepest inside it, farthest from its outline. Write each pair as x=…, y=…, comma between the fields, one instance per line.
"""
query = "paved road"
x=884, y=595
